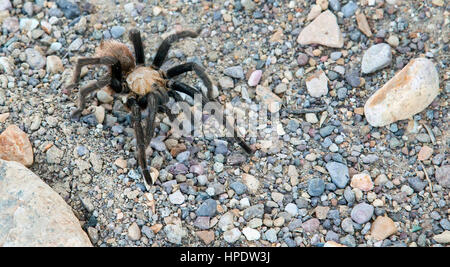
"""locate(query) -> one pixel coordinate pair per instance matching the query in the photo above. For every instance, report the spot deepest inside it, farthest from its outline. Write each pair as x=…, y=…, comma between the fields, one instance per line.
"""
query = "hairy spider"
x=148, y=87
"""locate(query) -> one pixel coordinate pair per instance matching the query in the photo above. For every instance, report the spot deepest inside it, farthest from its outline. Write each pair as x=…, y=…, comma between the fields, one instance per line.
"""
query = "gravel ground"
x=288, y=194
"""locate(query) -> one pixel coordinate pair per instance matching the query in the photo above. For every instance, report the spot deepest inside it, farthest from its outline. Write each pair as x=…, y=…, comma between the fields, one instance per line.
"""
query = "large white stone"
x=409, y=92
x=323, y=30
x=32, y=214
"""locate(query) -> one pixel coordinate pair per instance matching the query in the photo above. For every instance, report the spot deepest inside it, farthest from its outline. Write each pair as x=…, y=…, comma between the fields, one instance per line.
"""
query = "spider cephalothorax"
x=147, y=87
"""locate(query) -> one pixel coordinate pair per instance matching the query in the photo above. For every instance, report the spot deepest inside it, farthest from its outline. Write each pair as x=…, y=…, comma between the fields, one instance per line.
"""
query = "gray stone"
x=117, y=31
x=226, y=221
x=349, y=9
x=445, y=224
x=35, y=59
x=238, y=187
x=326, y=131
x=335, y=5
x=376, y=57
x=207, y=208
x=134, y=233
x=417, y=184
x=348, y=241
x=54, y=155
x=248, y=5
x=76, y=44
x=183, y=156
x=349, y=195
x=202, y=179
x=339, y=173
x=316, y=187
x=234, y=72
x=271, y=235
x=332, y=236
x=362, y=213
x=256, y=211
x=347, y=225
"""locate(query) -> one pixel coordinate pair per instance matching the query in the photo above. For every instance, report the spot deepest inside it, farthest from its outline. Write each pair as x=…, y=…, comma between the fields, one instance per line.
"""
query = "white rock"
x=280, y=88
x=28, y=24
x=315, y=11
x=175, y=233
x=226, y=221
x=129, y=7
x=156, y=10
x=232, y=235
x=226, y=82
x=54, y=64
x=251, y=234
x=409, y=92
x=393, y=40
x=176, y=198
x=134, y=233
x=5, y=5
x=443, y=238
x=317, y=84
x=7, y=65
x=104, y=97
x=376, y=57
x=32, y=214
x=99, y=113
x=251, y=182
x=323, y=30
x=292, y=209
x=311, y=118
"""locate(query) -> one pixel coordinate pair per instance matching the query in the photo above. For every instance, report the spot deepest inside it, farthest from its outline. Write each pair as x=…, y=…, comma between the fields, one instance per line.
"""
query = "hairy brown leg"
x=191, y=91
x=163, y=49
x=85, y=91
x=140, y=140
x=152, y=108
x=135, y=37
x=89, y=61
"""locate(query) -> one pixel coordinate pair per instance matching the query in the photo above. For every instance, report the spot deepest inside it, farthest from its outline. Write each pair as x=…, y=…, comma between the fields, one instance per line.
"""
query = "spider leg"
x=187, y=89
x=135, y=37
x=89, y=61
x=152, y=107
x=163, y=49
x=140, y=142
x=175, y=96
x=161, y=96
x=165, y=109
x=191, y=91
x=192, y=66
x=85, y=91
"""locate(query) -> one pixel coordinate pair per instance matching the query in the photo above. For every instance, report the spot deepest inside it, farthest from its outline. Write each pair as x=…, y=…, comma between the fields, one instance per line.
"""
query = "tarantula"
x=148, y=87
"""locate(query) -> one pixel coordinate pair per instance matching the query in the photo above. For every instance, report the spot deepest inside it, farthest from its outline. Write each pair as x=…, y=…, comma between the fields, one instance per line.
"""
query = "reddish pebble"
x=15, y=146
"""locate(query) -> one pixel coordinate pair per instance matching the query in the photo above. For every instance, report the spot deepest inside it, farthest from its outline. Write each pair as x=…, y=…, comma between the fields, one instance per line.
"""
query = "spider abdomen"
x=144, y=80
x=119, y=51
